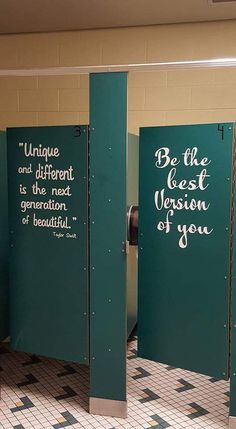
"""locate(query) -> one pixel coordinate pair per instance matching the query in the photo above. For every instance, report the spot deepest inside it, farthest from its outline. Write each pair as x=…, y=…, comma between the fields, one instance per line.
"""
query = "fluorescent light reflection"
x=168, y=65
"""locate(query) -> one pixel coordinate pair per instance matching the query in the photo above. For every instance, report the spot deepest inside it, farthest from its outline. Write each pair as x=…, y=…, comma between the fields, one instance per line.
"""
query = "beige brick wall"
x=182, y=97
x=164, y=97
x=43, y=100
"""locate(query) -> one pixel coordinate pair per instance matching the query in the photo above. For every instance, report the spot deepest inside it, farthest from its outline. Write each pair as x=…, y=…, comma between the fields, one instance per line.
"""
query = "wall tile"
x=123, y=46
x=18, y=119
x=8, y=100
x=136, y=98
x=86, y=51
x=84, y=80
x=178, y=117
x=39, y=100
x=147, y=79
x=37, y=53
x=71, y=100
x=225, y=75
x=138, y=119
x=8, y=52
x=58, y=118
x=71, y=81
x=167, y=98
x=83, y=118
x=213, y=97
x=190, y=77
x=18, y=82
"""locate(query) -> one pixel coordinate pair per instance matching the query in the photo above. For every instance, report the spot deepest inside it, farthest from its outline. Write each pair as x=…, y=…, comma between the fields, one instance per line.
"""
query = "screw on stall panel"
x=109, y=250
x=84, y=223
x=85, y=358
x=223, y=373
x=109, y=200
x=92, y=128
x=109, y=300
x=85, y=314
x=85, y=268
x=93, y=268
x=224, y=326
x=234, y=374
x=226, y=277
x=93, y=313
x=12, y=245
x=226, y=228
x=84, y=177
x=109, y=148
x=92, y=176
x=93, y=358
x=93, y=222
x=230, y=128
x=109, y=350
x=234, y=326
x=228, y=179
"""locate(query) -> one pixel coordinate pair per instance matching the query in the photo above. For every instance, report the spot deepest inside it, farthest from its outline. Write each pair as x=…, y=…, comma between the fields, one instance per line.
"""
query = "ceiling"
x=23, y=16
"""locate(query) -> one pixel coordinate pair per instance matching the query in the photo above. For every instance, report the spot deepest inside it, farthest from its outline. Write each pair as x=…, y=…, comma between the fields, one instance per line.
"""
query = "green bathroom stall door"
x=184, y=246
x=4, y=301
x=48, y=217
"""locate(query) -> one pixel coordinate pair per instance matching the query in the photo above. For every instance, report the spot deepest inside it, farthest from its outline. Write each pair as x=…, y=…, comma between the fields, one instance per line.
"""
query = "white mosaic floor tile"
x=161, y=398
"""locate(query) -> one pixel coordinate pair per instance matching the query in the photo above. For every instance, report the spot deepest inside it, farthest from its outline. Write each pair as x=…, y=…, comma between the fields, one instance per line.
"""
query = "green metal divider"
x=48, y=218
x=108, y=135
x=232, y=410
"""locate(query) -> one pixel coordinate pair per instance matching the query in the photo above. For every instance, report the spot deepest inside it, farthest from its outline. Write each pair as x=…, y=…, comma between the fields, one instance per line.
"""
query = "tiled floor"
x=41, y=393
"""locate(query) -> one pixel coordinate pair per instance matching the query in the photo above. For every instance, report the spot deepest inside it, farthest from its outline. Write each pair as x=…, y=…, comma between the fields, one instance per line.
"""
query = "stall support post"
x=108, y=139
x=232, y=354
x=232, y=409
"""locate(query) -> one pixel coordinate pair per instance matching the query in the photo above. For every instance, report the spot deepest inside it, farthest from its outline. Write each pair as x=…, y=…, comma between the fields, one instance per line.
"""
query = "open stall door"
x=48, y=220
x=184, y=246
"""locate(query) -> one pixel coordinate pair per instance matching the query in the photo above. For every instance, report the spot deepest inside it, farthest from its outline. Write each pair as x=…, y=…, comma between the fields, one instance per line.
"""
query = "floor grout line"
x=158, y=396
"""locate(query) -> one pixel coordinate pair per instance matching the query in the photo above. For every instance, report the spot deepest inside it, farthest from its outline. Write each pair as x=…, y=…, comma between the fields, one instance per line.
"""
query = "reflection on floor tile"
x=42, y=393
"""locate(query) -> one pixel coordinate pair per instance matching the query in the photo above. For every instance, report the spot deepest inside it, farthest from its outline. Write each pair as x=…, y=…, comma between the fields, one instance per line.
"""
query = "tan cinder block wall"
x=155, y=98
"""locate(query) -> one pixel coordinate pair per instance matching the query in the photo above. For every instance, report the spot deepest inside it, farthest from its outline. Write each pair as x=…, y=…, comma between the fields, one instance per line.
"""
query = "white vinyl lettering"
x=46, y=188
x=178, y=195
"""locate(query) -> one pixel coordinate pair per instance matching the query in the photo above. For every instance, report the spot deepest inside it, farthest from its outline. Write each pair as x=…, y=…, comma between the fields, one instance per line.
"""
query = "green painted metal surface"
x=49, y=258
x=184, y=277
x=4, y=301
x=108, y=112
x=232, y=410
x=132, y=256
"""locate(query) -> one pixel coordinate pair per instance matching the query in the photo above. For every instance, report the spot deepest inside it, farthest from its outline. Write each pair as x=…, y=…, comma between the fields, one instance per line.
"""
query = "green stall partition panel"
x=232, y=418
x=184, y=246
x=132, y=253
x=48, y=221
x=232, y=411
x=108, y=327
x=4, y=301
